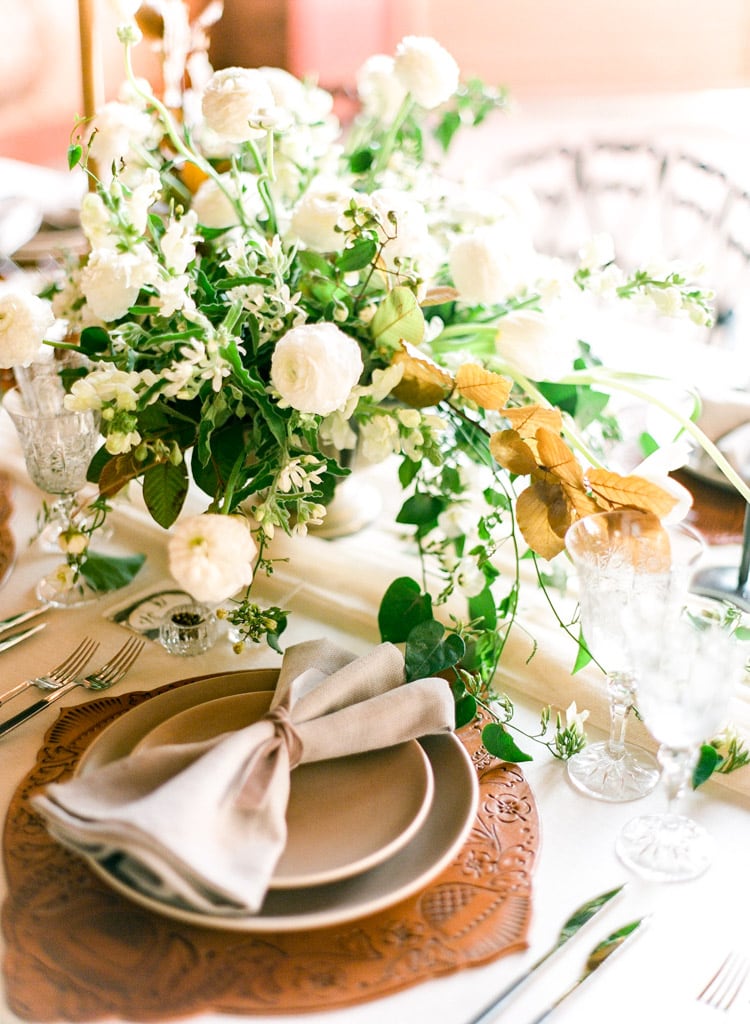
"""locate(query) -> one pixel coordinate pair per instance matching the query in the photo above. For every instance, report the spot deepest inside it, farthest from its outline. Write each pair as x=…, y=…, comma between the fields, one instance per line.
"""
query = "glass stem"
x=621, y=690
x=677, y=767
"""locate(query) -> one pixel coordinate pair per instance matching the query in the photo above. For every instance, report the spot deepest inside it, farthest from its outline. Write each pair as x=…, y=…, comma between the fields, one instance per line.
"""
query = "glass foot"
x=59, y=593
x=598, y=774
x=665, y=848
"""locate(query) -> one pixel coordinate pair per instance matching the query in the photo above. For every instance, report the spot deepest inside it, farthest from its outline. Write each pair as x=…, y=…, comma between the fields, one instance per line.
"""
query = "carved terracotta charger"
x=126, y=960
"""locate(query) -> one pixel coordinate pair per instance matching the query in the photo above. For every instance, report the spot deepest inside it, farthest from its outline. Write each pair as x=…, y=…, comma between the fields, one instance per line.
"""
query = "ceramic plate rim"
x=349, y=906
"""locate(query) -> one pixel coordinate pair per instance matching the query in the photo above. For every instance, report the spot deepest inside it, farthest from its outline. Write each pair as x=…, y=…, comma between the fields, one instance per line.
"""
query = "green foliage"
x=106, y=572
x=403, y=607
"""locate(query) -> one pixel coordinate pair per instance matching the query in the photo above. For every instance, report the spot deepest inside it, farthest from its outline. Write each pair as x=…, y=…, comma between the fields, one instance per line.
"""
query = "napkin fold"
x=202, y=825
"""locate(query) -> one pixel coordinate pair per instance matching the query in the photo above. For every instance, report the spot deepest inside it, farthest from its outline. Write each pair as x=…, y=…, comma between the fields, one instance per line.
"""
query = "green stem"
x=383, y=154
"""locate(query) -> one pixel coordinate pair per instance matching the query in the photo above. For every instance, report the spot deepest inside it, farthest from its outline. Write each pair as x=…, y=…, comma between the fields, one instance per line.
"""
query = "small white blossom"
x=238, y=104
x=597, y=252
x=379, y=438
x=24, y=322
x=314, y=368
x=379, y=89
x=178, y=242
x=426, y=70
x=211, y=556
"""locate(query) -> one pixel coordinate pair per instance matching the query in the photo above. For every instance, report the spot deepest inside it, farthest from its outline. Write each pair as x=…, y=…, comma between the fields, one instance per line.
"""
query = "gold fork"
x=67, y=670
x=724, y=987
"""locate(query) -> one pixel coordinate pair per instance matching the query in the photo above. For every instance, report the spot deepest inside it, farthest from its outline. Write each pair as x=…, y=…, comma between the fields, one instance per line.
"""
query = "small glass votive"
x=188, y=629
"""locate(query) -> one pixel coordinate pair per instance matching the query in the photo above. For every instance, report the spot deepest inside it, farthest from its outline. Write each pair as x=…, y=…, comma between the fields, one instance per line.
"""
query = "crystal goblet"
x=687, y=674
x=57, y=446
x=626, y=561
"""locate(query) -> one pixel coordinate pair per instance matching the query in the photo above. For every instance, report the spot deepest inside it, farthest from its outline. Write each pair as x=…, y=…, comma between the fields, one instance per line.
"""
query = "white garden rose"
x=24, y=321
x=541, y=346
x=211, y=556
x=426, y=70
x=314, y=368
x=319, y=212
x=119, y=130
x=492, y=264
x=111, y=281
x=238, y=104
x=213, y=206
x=380, y=91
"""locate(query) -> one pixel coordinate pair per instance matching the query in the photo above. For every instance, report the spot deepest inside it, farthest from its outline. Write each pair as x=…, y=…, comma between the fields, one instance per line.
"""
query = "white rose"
x=24, y=321
x=426, y=70
x=541, y=346
x=211, y=556
x=379, y=90
x=319, y=212
x=111, y=281
x=492, y=263
x=314, y=368
x=214, y=207
x=238, y=104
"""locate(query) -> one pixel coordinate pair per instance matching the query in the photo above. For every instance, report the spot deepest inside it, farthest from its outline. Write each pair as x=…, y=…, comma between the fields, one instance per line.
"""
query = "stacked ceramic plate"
x=364, y=832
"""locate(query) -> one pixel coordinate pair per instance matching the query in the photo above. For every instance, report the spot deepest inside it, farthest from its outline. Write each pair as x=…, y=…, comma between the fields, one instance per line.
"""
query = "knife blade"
x=574, y=923
x=599, y=955
x=16, y=620
x=22, y=634
x=34, y=709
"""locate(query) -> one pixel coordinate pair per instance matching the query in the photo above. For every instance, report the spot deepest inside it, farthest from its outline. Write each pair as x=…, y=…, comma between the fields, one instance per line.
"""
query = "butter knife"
x=599, y=955
x=22, y=634
x=16, y=620
x=575, y=922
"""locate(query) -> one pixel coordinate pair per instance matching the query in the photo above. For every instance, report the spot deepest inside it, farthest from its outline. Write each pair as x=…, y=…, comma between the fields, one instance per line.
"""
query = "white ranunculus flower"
x=319, y=212
x=214, y=208
x=111, y=281
x=492, y=264
x=211, y=556
x=426, y=70
x=379, y=90
x=314, y=368
x=24, y=321
x=118, y=130
x=541, y=346
x=307, y=103
x=238, y=104
x=403, y=223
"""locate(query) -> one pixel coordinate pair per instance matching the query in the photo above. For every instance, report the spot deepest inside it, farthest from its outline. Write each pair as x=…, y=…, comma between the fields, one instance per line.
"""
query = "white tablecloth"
x=657, y=978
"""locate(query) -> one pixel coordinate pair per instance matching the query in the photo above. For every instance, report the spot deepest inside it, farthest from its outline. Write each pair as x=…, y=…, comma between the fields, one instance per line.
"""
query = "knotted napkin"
x=202, y=825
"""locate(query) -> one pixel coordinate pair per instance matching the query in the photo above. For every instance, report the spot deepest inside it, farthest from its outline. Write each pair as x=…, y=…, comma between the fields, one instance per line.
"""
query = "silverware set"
x=63, y=678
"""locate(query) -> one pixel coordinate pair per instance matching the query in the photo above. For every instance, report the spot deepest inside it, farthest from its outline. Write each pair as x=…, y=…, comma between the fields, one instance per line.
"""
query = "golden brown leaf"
x=631, y=492
x=512, y=453
x=489, y=390
x=423, y=383
x=437, y=296
x=555, y=456
x=543, y=517
x=527, y=419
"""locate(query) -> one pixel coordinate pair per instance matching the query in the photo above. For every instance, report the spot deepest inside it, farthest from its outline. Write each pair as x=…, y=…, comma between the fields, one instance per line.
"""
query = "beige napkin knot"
x=202, y=825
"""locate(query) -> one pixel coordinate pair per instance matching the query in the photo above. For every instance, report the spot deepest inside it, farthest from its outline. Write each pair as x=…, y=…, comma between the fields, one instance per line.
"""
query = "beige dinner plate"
x=344, y=815
x=432, y=848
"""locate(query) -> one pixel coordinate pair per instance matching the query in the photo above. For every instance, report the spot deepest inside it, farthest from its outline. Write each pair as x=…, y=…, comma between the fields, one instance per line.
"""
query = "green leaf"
x=105, y=572
x=583, y=656
x=403, y=607
x=94, y=340
x=449, y=125
x=428, y=652
x=75, y=152
x=165, y=488
x=361, y=160
x=466, y=709
x=420, y=509
x=399, y=318
x=500, y=743
x=483, y=607
x=360, y=255
x=708, y=760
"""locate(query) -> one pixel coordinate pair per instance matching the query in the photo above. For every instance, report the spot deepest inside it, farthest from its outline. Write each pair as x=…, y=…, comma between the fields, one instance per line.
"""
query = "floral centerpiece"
x=265, y=290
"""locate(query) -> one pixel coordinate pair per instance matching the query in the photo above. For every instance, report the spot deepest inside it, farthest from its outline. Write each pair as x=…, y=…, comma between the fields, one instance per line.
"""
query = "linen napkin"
x=202, y=825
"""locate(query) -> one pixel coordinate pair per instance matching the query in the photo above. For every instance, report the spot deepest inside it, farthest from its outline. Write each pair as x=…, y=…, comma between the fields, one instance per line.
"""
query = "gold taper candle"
x=92, y=74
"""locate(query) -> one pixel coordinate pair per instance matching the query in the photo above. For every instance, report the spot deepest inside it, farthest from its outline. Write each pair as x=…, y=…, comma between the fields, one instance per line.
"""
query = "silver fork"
x=60, y=674
x=107, y=675
x=724, y=987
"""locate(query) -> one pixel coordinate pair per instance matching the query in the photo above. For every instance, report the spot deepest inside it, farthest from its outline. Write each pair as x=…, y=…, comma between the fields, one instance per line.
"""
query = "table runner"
x=78, y=951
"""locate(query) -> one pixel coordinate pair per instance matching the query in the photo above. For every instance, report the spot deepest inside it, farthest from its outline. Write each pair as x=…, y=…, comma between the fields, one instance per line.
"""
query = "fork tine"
x=74, y=662
x=115, y=668
x=725, y=985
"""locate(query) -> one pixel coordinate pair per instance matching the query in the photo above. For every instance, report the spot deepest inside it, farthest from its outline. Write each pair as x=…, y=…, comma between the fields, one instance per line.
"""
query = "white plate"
x=430, y=851
x=345, y=815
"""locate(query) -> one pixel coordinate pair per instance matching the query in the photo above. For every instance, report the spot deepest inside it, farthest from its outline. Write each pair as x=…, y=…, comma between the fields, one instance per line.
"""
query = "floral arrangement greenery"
x=265, y=290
